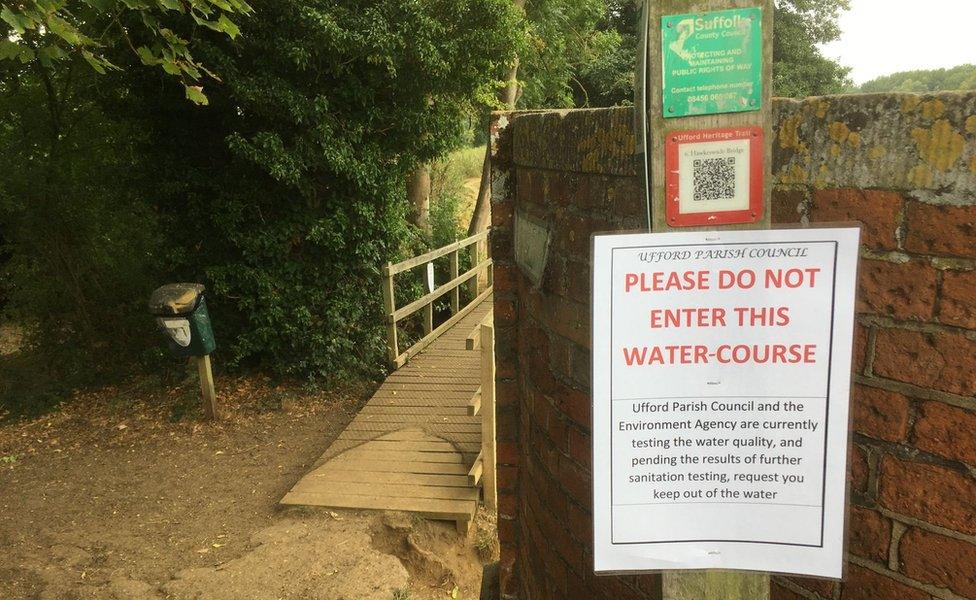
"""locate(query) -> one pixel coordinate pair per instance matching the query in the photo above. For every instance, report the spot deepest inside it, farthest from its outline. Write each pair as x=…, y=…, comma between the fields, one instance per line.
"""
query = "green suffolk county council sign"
x=712, y=62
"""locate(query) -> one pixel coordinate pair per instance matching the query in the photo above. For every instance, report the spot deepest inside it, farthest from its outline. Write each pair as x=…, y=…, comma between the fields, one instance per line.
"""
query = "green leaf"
x=147, y=56
x=228, y=26
x=194, y=93
x=93, y=61
x=171, y=4
x=9, y=49
x=101, y=5
x=18, y=22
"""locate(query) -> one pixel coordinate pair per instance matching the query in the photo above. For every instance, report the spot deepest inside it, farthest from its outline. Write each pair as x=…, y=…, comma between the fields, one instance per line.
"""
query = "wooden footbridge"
x=424, y=443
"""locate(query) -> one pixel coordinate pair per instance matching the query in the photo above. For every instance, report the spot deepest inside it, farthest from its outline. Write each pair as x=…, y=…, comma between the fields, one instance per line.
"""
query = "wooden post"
x=205, y=372
x=456, y=294
x=389, y=307
x=705, y=585
x=428, y=318
x=475, y=259
x=488, y=415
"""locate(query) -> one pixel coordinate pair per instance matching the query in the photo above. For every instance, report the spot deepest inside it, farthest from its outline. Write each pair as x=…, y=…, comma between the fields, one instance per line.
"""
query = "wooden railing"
x=470, y=277
x=483, y=402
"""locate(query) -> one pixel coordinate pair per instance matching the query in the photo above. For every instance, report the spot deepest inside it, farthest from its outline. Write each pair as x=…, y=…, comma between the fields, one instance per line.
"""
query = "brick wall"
x=903, y=165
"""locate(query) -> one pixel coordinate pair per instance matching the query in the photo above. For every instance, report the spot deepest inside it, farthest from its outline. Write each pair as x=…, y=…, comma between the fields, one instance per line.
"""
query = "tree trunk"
x=418, y=195
x=508, y=95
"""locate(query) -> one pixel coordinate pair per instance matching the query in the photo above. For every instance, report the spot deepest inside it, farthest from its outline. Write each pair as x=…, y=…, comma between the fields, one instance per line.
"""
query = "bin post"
x=205, y=372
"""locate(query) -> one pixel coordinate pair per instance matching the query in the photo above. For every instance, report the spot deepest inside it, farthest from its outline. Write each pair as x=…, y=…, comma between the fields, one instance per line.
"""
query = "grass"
x=401, y=594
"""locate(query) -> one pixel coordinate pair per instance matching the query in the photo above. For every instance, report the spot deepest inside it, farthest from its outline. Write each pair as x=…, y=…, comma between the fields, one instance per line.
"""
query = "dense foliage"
x=596, y=58
x=799, y=68
x=962, y=77
x=159, y=32
x=284, y=195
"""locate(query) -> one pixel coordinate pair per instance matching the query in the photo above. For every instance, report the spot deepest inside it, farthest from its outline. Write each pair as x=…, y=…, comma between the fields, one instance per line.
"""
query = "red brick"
x=941, y=230
x=958, y=306
x=860, y=348
x=578, y=482
x=507, y=453
x=940, y=361
x=575, y=404
x=786, y=205
x=939, y=560
x=504, y=277
x=507, y=529
x=876, y=210
x=869, y=534
x=502, y=214
x=506, y=506
x=931, y=493
x=857, y=469
x=505, y=313
x=580, y=449
x=880, y=414
x=902, y=291
x=778, y=592
x=947, y=431
x=506, y=477
x=865, y=584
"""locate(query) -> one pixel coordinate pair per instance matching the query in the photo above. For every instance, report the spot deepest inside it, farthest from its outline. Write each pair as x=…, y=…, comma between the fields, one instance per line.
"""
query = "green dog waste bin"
x=181, y=313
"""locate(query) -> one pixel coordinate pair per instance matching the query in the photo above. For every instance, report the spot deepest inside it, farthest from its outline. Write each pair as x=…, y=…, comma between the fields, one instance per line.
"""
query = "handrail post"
x=456, y=294
x=475, y=260
x=488, y=415
x=389, y=306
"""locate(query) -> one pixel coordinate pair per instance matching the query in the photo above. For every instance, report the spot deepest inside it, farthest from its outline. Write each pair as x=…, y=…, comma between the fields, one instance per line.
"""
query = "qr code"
x=714, y=179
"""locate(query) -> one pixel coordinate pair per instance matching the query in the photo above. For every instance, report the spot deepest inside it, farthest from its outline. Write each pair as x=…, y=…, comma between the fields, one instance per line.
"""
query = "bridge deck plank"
x=412, y=445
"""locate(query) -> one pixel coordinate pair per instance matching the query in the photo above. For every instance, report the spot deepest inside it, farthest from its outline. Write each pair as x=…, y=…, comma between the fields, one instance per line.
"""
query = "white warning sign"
x=721, y=379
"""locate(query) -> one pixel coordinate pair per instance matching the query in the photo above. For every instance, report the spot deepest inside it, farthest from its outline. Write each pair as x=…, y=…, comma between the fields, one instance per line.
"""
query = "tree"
x=799, y=68
x=159, y=32
x=543, y=72
x=284, y=194
x=962, y=77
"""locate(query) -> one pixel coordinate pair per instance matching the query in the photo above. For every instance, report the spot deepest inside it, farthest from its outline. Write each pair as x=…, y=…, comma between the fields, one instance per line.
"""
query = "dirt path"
x=108, y=498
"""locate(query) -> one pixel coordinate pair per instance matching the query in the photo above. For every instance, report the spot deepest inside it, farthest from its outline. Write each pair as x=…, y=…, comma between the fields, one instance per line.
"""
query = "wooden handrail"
x=423, y=259
x=471, y=277
x=406, y=311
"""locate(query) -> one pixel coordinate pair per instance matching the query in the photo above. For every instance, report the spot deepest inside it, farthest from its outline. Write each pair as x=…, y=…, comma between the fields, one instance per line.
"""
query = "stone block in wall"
x=878, y=141
x=578, y=141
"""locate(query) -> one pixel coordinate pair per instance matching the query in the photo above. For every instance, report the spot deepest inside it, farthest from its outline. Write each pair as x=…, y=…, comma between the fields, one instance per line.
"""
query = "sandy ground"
x=112, y=496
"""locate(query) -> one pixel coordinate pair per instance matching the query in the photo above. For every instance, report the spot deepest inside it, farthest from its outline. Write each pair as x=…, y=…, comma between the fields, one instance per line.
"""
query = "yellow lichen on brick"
x=854, y=140
x=789, y=134
x=972, y=165
x=835, y=150
x=910, y=103
x=792, y=175
x=839, y=132
x=822, y=107
x=877, y=153
x=941, y=146
x=921, y=176
x=822, y=177
x=933, y=109
x=971, y=124
x=611, y=142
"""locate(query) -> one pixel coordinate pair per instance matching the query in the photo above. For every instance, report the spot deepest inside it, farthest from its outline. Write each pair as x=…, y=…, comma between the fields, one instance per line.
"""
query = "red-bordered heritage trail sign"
x=714, y=176
x=721, y=383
